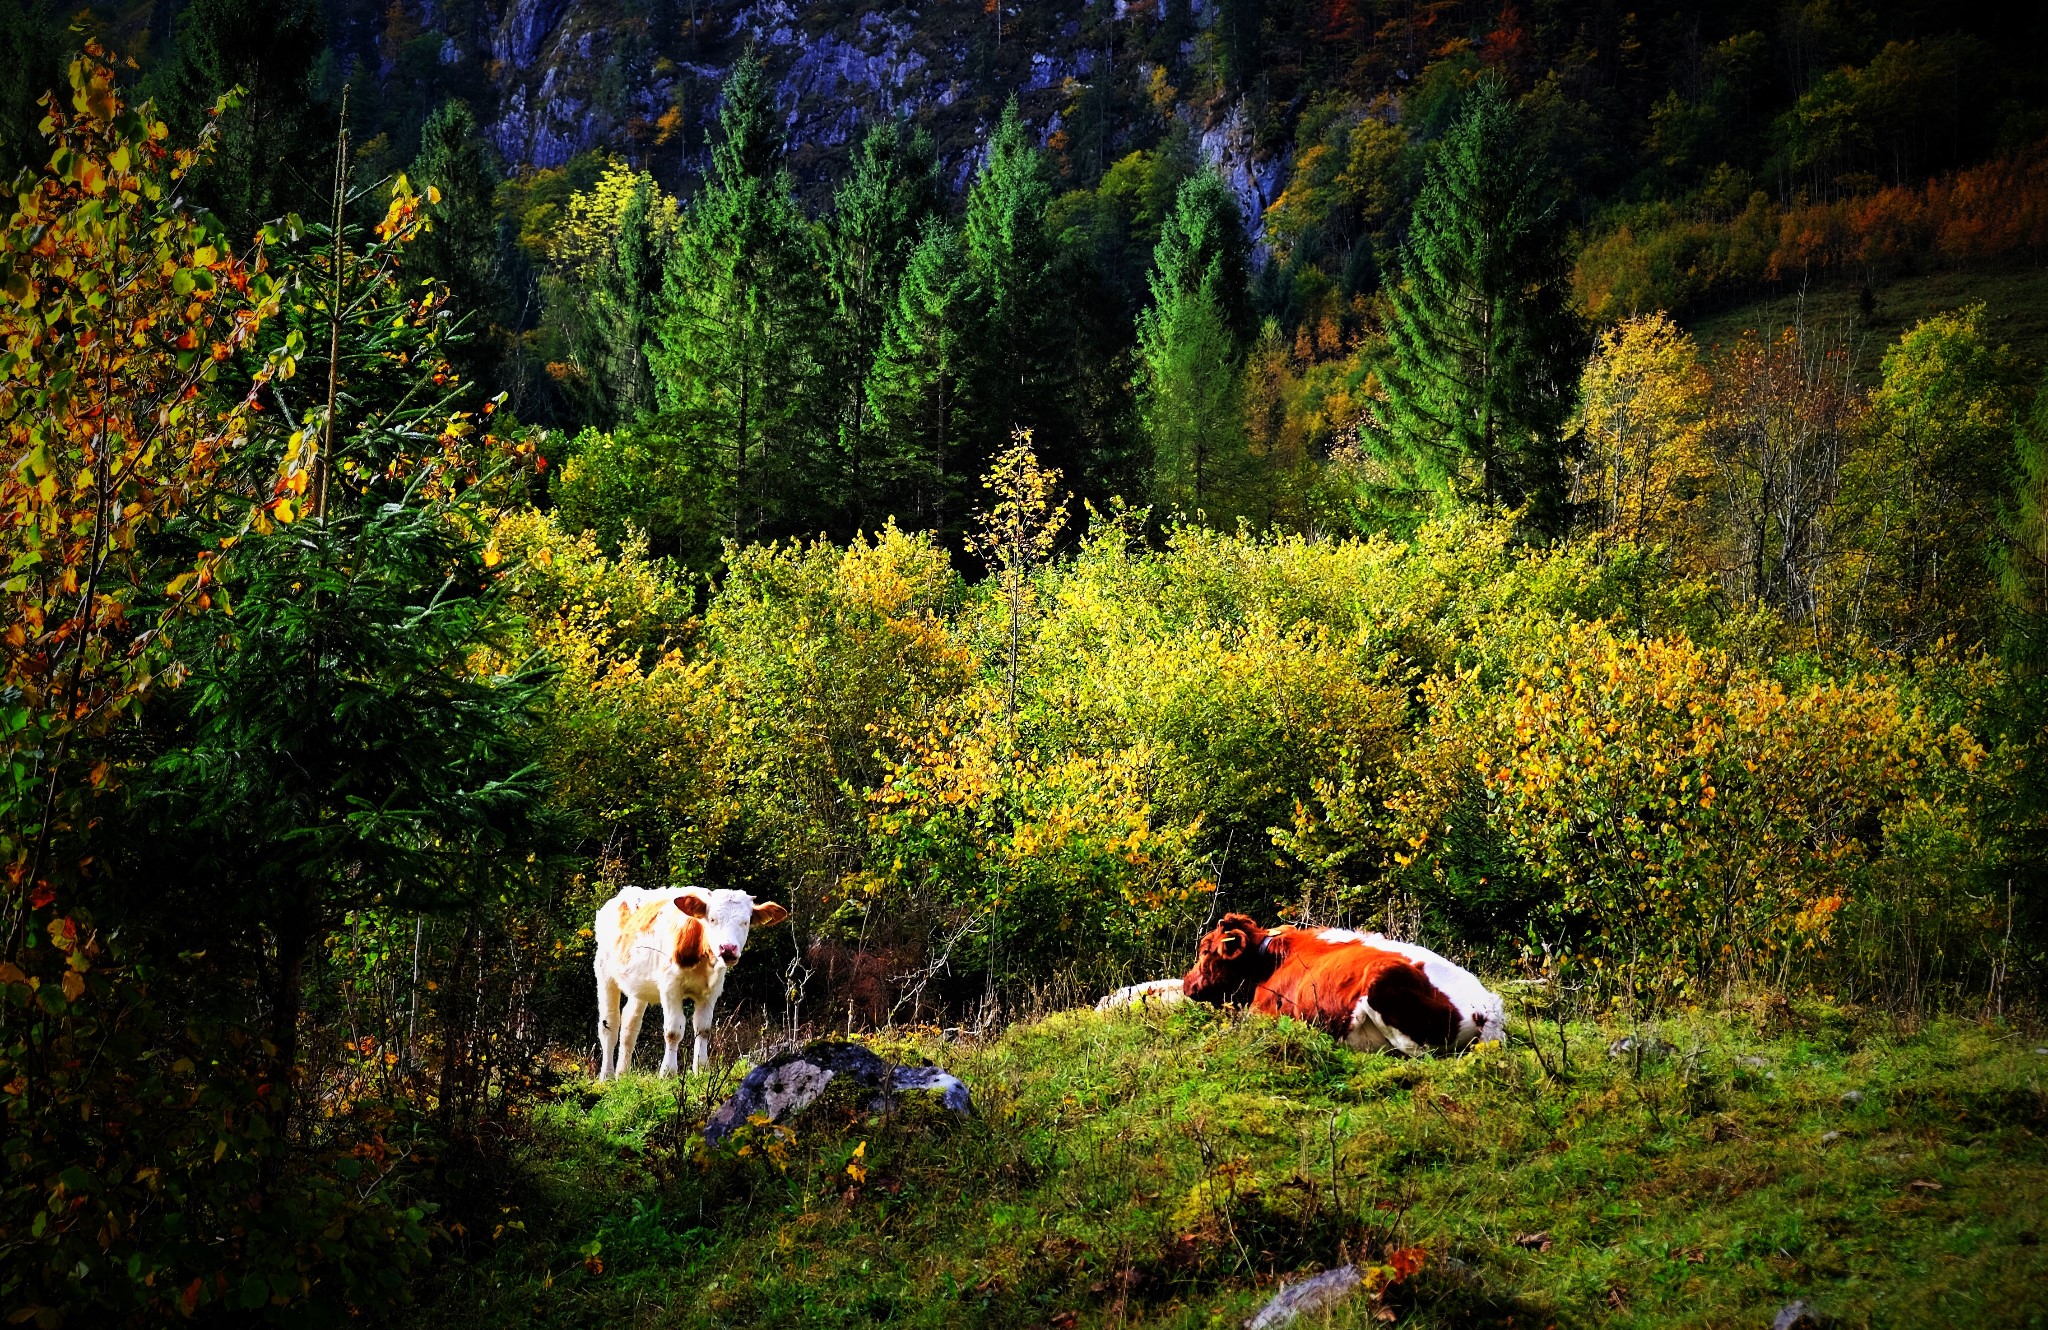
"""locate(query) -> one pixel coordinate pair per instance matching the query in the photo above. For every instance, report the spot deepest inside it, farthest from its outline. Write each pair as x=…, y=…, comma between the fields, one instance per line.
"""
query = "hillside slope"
x=1169, y=1169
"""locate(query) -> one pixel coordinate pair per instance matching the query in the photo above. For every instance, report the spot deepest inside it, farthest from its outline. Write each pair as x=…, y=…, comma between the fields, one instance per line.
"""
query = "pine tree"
x=914, y=384
x=461, y=247
x=739, y=341
x=33, y=48
x=1204, y=234
x=878, y=219
x=1191, y=349
x=630, y=291
x=1483, y=349
x=275, y=144
x=1016, y=370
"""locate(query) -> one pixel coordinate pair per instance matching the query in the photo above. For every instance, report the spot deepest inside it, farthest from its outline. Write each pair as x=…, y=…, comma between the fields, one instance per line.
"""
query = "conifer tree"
x=32, y=58
x=461, y=247
x=914, y=384
x=878, y=219
x=1191, y=348
x=1203, y=236
x=276, y=142
x=1483, y=349
x=1017, y=370
x=629, y=293
x=738, y=343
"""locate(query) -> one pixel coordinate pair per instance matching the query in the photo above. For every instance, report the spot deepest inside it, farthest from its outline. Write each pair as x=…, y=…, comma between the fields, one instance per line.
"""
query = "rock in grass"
x=1798, y=1316
x=1651, y=1048
x=1852, y=1098
x=784, y=1086
x=1309, y=1295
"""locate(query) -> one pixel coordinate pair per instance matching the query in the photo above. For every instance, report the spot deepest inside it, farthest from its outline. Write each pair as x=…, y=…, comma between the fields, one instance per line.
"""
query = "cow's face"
x=1484, y=1023
x=724, y=920
x=1230, y=962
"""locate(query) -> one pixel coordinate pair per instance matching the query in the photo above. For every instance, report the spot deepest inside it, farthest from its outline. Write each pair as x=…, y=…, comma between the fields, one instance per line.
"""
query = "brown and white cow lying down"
x=668, y=946
x=1370, y=992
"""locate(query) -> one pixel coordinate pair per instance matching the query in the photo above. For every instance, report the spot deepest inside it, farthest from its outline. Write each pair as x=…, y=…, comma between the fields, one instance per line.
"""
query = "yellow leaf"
x=284, y=510
x=74, y=985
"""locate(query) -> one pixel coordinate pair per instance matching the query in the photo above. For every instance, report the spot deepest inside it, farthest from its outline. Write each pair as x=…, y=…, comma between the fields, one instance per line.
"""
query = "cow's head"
x=724, y=920
x=1485, y=1022
x=1230, y=962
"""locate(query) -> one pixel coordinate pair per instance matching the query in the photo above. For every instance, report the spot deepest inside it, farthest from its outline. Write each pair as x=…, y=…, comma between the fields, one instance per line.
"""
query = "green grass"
x=1167, y=1169
x=2015, y=301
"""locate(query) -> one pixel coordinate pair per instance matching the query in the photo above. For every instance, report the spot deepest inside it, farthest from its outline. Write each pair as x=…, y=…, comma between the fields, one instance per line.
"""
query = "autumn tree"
x=1643, y=404
x=108, y=282
x=1785, y=416
x=1921, y=493
x=1015, y=534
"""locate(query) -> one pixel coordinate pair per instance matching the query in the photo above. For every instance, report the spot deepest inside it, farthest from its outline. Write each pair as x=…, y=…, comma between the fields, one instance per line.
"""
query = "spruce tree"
x=1191, y=348
x=739, y=340
x=878, y=219
x=1017, y=362
x=914, y=385
x=276, y=143
x=461, y=248
x=1203, y=236
x=1483, y=349
x=628, y=299
x=33, y=50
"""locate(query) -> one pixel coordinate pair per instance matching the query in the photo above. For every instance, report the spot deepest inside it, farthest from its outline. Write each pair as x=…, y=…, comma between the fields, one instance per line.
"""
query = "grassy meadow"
x=1171, y=1168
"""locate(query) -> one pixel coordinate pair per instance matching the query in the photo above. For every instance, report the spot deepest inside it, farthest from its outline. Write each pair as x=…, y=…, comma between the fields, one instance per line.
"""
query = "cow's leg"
x=705, y=1011
x=629, y=1034
x=671, y=1031
x=607, y=1025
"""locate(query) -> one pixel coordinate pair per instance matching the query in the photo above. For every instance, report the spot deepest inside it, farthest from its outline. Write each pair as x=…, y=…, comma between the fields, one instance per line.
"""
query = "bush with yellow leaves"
x=1693, y=821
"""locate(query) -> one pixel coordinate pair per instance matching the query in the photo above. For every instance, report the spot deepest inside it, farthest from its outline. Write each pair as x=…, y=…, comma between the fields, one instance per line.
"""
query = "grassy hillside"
x=1167, y=1169
x=2015, y=304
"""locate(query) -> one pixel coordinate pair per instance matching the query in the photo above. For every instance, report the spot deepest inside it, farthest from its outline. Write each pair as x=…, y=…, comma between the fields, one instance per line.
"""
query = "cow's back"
x=1321, y=980
x=635, y=937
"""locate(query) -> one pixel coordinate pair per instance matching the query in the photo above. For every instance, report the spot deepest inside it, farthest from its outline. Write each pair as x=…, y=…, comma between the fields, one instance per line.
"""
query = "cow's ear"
x=768, y=914
x=1232, y=944
x=693, y=906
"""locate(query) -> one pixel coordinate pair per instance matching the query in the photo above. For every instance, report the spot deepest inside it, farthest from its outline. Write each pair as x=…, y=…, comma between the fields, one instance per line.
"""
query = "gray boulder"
x=1799, y=1315
x=786, y=1085
x=1309, y=1295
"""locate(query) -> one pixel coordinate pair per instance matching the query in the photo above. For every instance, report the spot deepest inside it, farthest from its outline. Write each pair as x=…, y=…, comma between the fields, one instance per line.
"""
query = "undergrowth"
x=1170, y=1169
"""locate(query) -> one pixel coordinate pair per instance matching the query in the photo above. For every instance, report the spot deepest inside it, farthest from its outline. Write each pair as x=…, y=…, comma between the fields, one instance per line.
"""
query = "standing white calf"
x=671, y=947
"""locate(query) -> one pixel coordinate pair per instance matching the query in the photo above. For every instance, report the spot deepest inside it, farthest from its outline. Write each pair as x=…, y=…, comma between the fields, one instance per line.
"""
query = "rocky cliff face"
x=641, y=78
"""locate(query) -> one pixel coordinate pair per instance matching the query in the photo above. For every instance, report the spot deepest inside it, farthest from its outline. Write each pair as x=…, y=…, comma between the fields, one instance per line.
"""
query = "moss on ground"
x=1167, y=1169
